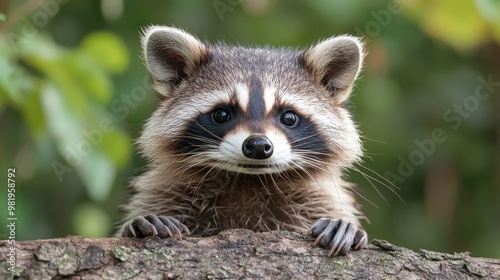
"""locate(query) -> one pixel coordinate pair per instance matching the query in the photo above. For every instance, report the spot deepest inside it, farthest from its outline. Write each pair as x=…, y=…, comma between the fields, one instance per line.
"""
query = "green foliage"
x=462, y=26
x=108, y=49
x=91, y=220
x=63, y=94
x=74, y=93
x=68, y=113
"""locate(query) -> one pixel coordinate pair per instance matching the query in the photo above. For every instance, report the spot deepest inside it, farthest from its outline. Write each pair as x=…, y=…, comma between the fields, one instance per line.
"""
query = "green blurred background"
x=74, y=95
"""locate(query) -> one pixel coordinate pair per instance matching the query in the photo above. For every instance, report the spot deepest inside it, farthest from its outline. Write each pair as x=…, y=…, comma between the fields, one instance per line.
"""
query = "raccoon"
x=253, y=138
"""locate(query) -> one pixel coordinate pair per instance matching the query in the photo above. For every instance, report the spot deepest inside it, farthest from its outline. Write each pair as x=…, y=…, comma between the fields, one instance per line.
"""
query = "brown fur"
x=208, y=204
x=208, y=199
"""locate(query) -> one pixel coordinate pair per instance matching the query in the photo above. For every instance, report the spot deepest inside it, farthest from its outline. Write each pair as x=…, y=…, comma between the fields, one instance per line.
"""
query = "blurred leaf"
x=33, y=115
x=118, y=146
x=40, y=46
x=49, y=59
x=496, y=33
x=3, y=17
x=90, y=220
x=458, y=25
x=82, y=148
x=109, y=137
x=88, y=75
x=13, y=80
x=108, y=49
x=76, y=72
x=489, y=9
x=60, y=121
x=73, y=119
x=98, y=173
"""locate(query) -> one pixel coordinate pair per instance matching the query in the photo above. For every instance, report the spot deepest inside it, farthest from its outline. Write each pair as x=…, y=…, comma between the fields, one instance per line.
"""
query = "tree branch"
x=231, y=254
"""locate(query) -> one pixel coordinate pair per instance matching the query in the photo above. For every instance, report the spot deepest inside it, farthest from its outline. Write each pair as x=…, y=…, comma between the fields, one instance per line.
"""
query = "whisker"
x=363, y=197
x=380, y=176
x=373, y=140
x=371, y=183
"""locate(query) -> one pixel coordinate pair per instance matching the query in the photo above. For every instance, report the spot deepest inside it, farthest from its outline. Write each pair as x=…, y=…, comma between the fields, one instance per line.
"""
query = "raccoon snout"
x=257, y=147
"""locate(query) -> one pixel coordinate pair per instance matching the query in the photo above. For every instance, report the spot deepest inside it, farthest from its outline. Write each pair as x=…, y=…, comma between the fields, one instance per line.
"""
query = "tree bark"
x=233, y=254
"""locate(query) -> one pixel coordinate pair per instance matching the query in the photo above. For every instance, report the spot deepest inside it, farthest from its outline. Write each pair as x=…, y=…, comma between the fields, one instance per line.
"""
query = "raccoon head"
x=251, y=110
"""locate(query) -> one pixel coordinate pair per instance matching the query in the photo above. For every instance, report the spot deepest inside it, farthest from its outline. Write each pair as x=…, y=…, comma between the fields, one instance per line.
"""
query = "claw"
x=173, y=225
x=359, y=244
x=319, y=238
x=361, y=238
x=328, y=233
x=142, y=227
x=129, y=229
x=161, y=230
x=185, y=229
x=168, y=231
x=319, y=226
x=155, y=232
x=152, y=225
x=338, y=235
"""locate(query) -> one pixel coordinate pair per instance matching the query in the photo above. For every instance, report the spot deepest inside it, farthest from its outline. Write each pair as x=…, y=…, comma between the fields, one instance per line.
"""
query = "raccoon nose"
x=257, y=147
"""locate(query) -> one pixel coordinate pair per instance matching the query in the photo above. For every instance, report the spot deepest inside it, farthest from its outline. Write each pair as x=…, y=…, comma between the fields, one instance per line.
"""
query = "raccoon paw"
x=338, y=235
x=152, y=225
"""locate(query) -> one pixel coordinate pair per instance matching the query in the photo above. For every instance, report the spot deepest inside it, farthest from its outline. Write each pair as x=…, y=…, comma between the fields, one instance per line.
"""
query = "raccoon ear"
x=335, y=63
x=171, y=55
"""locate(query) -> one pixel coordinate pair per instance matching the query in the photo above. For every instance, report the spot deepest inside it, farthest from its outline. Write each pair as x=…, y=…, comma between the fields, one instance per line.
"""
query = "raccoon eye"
x=289, y=118
x=220, y=115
